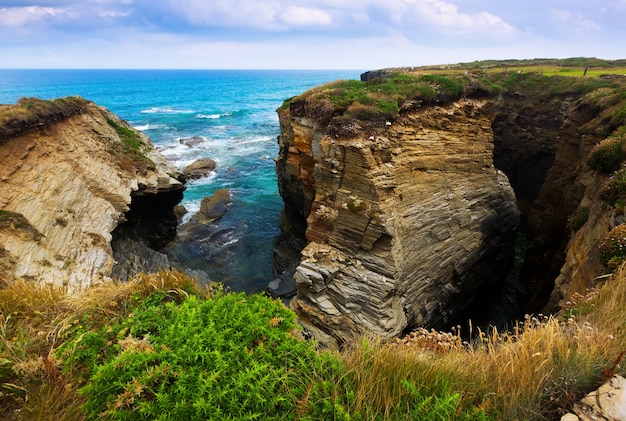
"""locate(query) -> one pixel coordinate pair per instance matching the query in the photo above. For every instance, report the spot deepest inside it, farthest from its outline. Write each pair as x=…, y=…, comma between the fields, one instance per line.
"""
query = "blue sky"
x=305, y=34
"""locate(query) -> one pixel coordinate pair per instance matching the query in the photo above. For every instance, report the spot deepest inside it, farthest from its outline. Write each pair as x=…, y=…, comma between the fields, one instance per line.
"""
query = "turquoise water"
x=230, y=116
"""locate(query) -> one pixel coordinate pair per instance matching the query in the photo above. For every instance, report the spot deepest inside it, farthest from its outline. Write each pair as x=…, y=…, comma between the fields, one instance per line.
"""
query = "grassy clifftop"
x=385, y=94
x=29, y=113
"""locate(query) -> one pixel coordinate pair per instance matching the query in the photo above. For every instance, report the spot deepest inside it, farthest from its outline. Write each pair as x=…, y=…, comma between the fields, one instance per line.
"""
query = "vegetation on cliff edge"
x=130, y=150
x=29, y=113
x=384, y=95
x=163, y=347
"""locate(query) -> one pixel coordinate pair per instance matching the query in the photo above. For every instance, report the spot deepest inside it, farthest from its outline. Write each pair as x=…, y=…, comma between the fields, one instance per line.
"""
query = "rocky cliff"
x=393, y=184
x=74, y=179
x=404, y=223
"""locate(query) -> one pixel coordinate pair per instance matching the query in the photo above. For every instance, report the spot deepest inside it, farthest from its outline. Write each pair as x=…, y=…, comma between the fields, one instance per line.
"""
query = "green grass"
x=382, y=99
x=378, y=100
x=133, y=144
x=131, y=150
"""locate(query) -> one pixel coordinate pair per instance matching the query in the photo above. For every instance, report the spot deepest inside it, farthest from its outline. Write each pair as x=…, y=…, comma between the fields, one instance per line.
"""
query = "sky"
x=303, y=34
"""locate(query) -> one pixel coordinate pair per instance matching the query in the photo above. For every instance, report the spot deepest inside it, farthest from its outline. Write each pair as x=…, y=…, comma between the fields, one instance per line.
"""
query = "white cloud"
x=574, y=20
x=19, y=16
x=305, y=16
x=446, y=15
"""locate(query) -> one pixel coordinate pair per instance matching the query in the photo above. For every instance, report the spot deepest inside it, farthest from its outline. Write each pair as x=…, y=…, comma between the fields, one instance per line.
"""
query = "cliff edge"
x=72, y=173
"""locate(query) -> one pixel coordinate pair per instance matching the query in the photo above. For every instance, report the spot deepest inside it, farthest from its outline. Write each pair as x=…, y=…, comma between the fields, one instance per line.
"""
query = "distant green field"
x=546, y=69
x=563, y=67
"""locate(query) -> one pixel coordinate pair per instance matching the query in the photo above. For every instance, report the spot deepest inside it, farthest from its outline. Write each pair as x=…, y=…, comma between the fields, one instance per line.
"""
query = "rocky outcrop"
x=560, y=262
x=76, y=179
x=404, y=224
x=526, y=134
x=607, y=403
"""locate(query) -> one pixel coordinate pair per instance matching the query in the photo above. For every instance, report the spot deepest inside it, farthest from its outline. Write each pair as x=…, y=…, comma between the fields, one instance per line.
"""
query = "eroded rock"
x=403, y=224
x=608, y=403
x=72, y=180
x=213, y=207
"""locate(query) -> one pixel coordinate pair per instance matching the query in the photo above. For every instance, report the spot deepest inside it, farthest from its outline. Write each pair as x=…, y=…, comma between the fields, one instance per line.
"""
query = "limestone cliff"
x=72, y=173
x=404, y=222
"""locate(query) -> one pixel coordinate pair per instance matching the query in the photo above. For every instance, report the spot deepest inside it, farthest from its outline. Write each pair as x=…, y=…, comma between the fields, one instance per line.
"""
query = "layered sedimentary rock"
x=73, y=179
x=404, y=224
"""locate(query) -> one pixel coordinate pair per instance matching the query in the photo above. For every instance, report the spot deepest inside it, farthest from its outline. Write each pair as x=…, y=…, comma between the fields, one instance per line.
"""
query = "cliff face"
x=559, y=261
x=67, y=181
x=404, y=224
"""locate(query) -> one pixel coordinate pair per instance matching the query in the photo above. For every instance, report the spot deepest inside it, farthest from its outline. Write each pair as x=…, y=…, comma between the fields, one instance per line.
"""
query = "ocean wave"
x=258, y=139
x=144, y=127
x=202, y=181
x=209, y=116
x=166, y=110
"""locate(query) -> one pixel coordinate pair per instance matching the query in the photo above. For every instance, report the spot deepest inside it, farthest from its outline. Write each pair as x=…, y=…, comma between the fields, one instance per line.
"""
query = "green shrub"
x=614, y=189
x=613, y=248
x=132, y=142
x=578, y=218
x=607, y=155
x=232, y=357
x=438, y=407
x=445, y=84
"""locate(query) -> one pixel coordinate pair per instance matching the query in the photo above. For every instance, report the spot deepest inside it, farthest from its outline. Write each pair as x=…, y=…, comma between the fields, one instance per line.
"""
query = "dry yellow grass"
x=33, y=319
x=535, y=372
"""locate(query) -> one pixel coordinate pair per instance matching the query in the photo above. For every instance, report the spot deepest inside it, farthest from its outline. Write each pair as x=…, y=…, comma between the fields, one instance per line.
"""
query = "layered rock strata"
x=403, y=224
x=74, y=181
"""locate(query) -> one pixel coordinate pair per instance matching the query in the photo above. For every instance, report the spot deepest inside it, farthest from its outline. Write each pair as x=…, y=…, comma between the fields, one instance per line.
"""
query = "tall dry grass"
x=33, y=319
x=535, y=372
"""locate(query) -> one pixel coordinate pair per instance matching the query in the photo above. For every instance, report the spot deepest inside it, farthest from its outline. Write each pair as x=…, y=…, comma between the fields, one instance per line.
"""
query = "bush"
x=578, y=218
x=613, y=248
x=614, y=188
x=606, y=156
x=233, y=357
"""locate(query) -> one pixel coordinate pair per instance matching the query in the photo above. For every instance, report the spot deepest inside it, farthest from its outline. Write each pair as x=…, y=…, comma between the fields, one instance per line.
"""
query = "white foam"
x=175, y=150
x=165, y=110
x=144, y=127
x=254, y=140
x=209, y=116
x=234, y=240
x=202, y=181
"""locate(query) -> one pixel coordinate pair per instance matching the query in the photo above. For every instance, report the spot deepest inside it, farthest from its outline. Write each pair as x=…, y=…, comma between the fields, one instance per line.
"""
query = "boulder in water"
x=199, y=168
x=214, y=207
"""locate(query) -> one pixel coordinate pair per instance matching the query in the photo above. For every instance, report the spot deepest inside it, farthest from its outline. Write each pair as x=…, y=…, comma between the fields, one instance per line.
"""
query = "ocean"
x=228, y=115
